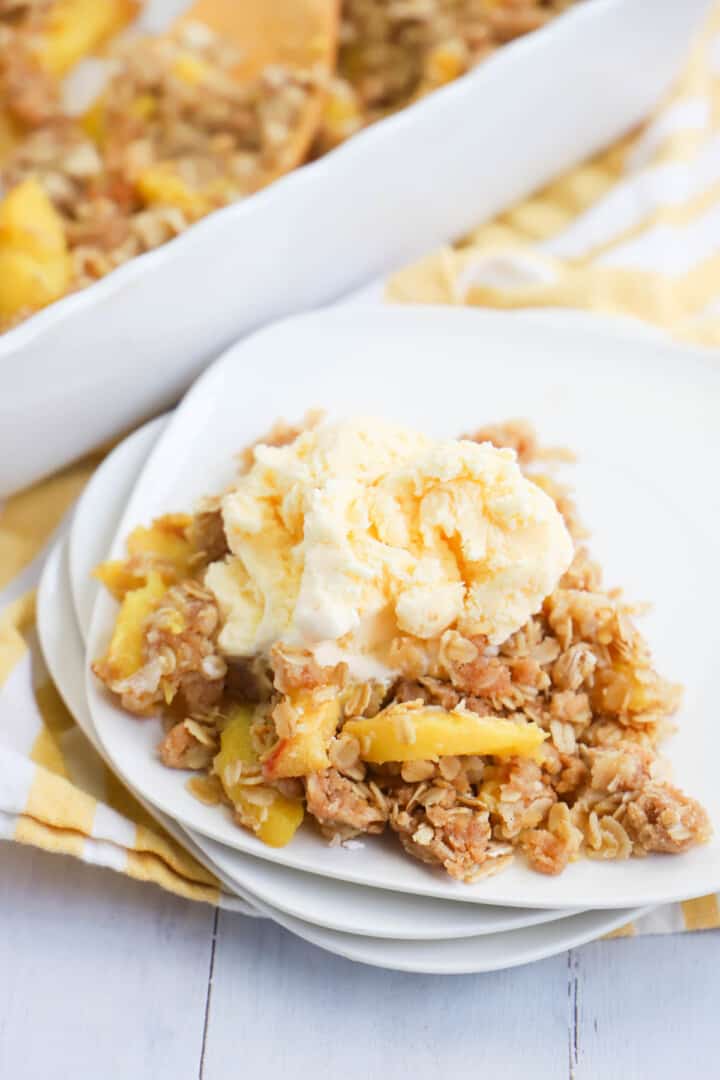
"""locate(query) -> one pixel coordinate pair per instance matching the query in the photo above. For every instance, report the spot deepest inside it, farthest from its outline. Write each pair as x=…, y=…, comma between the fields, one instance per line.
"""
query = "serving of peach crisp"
x=381, y=631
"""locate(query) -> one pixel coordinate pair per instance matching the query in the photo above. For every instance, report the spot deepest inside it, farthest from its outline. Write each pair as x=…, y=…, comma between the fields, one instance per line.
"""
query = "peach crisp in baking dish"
x=185, y=122
x=381, y=631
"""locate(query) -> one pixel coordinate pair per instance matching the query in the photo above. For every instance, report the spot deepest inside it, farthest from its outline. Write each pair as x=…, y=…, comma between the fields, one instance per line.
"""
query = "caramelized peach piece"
x=190, y=68
x=27, y=285
x=164, y=540
x=124, y=656
x=160, y=185
x=305, y=751
x=270, y=815
x=163, y=548
x=76, y=28
x=30, y=222
x=118, y=578
x=412, y=732
x=34, y=264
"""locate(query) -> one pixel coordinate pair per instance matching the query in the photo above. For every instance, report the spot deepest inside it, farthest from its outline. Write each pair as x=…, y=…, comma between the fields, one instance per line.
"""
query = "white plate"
x=63, y=654
x=92, y=364
x=319, y=900
x=468, y=956
x=642, y=416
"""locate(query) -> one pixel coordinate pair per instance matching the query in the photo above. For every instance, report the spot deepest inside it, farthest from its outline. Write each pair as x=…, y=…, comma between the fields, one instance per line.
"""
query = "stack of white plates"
x=641, y=416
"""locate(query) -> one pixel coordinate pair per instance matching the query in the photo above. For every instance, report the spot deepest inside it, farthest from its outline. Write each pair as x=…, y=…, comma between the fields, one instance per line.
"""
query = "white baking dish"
x=96, y=362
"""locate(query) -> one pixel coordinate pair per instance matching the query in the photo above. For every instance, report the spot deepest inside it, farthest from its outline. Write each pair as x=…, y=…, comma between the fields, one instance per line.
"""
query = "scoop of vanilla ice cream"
x=358, y=531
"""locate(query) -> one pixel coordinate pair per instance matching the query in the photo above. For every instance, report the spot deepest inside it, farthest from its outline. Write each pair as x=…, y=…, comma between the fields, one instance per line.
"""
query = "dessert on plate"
x=381, y=631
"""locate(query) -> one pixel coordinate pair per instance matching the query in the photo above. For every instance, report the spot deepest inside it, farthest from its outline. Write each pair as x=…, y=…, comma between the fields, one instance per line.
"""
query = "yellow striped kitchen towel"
x=634, y=232
x=55, y=791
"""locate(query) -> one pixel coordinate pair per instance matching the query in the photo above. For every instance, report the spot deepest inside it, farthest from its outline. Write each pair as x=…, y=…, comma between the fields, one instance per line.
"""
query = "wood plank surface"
x=102, y=977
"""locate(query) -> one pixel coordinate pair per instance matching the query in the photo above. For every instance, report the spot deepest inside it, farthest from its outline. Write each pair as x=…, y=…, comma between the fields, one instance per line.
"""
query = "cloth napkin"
x=634, y=232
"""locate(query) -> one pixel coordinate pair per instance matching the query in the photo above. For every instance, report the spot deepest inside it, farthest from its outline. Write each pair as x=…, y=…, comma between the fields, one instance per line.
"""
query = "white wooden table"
x=102, y=978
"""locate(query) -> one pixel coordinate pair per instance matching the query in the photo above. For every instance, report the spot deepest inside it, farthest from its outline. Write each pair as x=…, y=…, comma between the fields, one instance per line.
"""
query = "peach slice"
x=306, y=751
x=162, y=548
x=29, y=221
x=34, y=264
x=26, y=285
x=270, y=815
x=160, y=185
x=124, y=656
x=415, y=732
